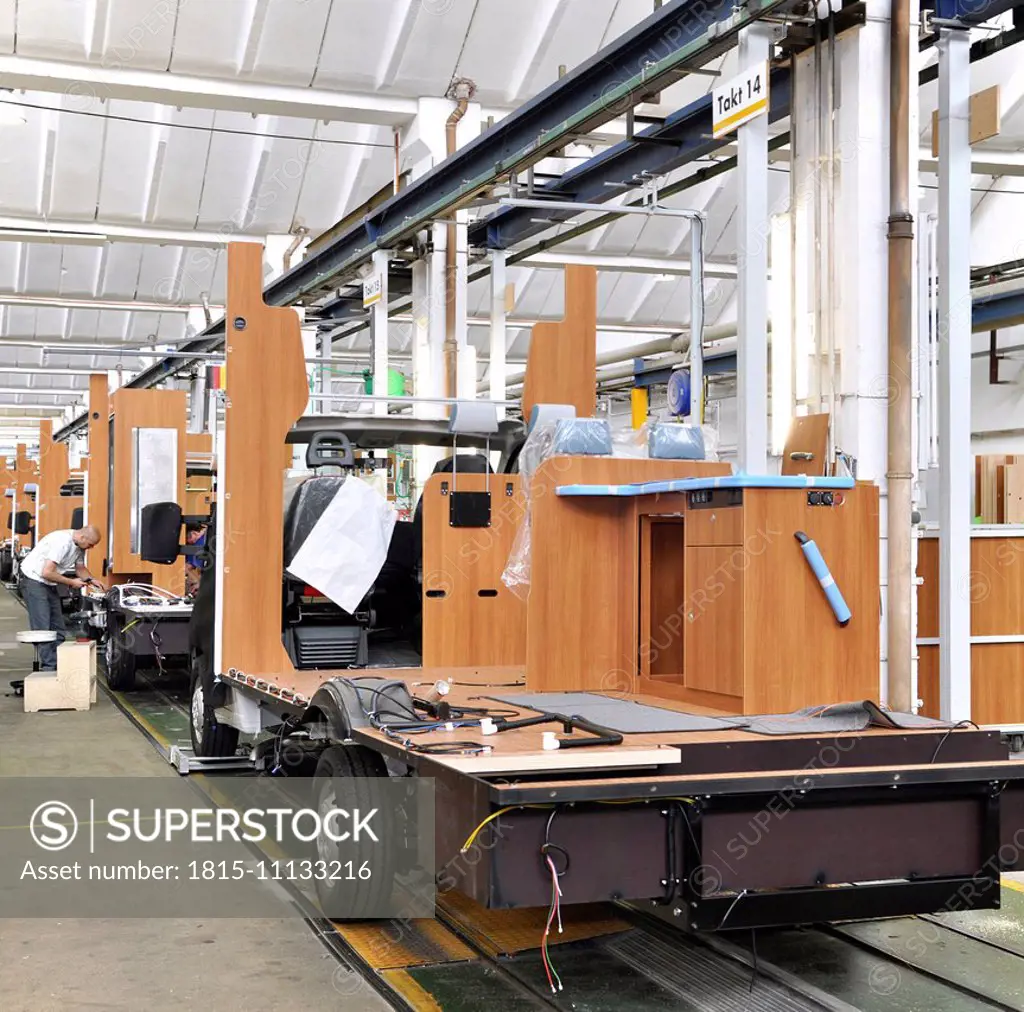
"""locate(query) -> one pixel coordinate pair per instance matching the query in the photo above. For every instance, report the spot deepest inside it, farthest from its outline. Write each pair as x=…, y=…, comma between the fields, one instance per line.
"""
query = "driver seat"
x=317, y=633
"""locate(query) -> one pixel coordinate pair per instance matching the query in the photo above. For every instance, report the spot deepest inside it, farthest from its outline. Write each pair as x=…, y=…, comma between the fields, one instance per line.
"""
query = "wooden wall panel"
x=469, y=626
x=997, y=688
x=98, y=469
x=996, y=599
x=928, y=681
x=928, y=589
x=797, y=654
x=1013, y=493
x=582, y=615
x=134, y=409
x=199, y=490
x=53, y=512
x=25, y=473
x=266, y=392
x=562, y=365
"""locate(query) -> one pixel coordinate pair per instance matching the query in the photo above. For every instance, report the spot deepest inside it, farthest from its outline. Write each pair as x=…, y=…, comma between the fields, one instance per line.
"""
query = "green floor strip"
x=1003, y=927
x=964, y=962
x=470, y=987
x=866, y=980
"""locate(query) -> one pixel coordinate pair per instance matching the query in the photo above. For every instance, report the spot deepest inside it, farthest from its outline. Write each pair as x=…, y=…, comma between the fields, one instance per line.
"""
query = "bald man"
x=42, y=570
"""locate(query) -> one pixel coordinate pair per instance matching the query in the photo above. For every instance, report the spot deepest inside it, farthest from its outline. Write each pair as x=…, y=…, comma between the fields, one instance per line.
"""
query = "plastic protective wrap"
x=675, y=442
x=345, y=549
x=548, y=439
x=306, y=505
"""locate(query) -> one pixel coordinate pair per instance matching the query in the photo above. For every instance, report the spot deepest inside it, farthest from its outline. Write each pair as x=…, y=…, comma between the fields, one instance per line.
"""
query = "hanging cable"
x=555, y=911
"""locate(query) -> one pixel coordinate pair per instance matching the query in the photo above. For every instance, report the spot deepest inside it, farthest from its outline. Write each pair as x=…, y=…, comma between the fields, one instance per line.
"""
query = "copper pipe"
x=461, y=90
x=899, y=474
x=286, y=260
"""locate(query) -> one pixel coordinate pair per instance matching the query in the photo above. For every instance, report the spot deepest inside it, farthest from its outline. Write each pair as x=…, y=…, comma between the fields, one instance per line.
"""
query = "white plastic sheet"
x=348, y=546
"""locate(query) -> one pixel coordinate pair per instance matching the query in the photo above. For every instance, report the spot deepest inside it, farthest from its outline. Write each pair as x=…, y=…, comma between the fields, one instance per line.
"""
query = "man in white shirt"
x=42, y=570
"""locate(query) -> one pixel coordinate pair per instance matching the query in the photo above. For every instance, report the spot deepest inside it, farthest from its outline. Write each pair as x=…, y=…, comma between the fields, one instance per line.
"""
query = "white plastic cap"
x=487, y=726
x=551, y=741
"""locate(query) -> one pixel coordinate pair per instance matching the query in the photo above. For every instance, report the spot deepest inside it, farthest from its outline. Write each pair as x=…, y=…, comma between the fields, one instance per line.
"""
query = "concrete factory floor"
x=141, y=963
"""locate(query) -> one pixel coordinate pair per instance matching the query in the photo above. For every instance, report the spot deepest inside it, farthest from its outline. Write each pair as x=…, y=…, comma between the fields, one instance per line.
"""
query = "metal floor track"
x=619, y=959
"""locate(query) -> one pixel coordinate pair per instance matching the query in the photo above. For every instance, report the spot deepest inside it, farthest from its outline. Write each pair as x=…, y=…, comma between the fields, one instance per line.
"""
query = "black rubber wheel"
x=6, y=568
x=340, y=782
x=209, y=739
x=121, y=660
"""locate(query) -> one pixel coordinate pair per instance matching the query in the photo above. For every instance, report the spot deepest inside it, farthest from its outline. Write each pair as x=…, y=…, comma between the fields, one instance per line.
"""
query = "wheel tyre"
x=120, y=658
x=6, y=569
x=339, y=782
x=209, y=739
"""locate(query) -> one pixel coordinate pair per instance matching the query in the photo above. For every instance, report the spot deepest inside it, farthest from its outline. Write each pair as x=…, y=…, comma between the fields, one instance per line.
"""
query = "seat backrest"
x=160, y=533
x=308, y=504
x=78, y=517
x=544, y=413
x=468, y=463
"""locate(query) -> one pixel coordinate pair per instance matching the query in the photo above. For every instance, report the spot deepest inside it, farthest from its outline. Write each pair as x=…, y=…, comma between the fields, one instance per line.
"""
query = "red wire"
x=544, y=937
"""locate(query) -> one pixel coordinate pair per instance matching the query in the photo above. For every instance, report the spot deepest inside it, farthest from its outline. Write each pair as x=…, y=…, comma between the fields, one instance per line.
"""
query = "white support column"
x=752, y=344
x=697, y=320
x=954, y=210
x=499, y=329
x=379, y=332
x=324, y=348
x=314, y=377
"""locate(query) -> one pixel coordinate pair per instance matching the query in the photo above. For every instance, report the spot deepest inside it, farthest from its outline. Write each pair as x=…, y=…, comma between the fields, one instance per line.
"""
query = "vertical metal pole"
x=198, y=419
x=499, y=330
x=697, y=320
x=379, y=332
x=954, y=394
x=752, y=345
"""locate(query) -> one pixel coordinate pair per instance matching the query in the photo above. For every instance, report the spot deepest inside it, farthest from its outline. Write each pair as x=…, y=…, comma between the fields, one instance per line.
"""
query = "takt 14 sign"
x=740, y=100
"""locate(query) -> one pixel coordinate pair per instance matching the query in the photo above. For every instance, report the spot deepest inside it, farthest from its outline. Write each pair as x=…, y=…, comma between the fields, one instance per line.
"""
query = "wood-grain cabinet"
x=729, y=613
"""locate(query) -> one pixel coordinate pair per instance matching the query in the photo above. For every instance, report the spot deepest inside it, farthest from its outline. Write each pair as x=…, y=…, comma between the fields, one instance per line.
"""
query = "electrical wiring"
x=959, y=726
x=471, y=839
x=732, y=907
x=547, y=834
x=196, y=127
x=555, y=911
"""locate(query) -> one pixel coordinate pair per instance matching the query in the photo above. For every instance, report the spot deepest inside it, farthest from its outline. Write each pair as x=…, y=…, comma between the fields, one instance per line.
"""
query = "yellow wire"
x=471, y=839
x=490, y=818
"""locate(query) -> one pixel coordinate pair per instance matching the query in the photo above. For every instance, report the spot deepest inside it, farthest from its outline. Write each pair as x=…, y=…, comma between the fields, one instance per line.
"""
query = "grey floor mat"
x=629, y=717
x=832, y=720
x=620, y=715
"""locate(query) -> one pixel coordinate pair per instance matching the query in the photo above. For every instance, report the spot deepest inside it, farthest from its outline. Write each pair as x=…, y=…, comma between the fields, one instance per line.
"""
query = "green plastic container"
x=396, y=382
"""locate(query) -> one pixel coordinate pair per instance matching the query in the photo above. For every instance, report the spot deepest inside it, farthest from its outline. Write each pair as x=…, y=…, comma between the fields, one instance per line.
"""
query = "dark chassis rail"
x=890, y=831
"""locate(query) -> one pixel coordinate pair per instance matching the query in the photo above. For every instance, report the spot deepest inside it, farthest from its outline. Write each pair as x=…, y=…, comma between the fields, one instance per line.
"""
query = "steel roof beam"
x=91, y=81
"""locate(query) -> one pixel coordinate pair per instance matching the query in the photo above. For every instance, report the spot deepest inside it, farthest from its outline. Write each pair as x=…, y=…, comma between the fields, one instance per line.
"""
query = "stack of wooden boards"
x=999, y=489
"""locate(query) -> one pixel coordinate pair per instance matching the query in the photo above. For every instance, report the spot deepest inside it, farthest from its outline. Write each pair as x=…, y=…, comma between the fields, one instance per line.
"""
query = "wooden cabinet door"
x=714, y=619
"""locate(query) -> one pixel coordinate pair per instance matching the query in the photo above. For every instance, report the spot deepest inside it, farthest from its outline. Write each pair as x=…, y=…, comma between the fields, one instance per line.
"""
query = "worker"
x=42, y=570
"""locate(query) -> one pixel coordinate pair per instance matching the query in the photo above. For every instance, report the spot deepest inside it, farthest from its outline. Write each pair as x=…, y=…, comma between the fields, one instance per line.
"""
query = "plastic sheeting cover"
x=345, y=551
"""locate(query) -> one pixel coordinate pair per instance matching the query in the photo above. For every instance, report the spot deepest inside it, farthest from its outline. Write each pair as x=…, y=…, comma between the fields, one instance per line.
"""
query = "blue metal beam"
x=995, y=312
x=636, y=66
x=684, y=137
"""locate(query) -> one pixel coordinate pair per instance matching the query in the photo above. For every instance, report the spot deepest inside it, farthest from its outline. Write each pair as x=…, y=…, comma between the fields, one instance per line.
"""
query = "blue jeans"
x=44, y=612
